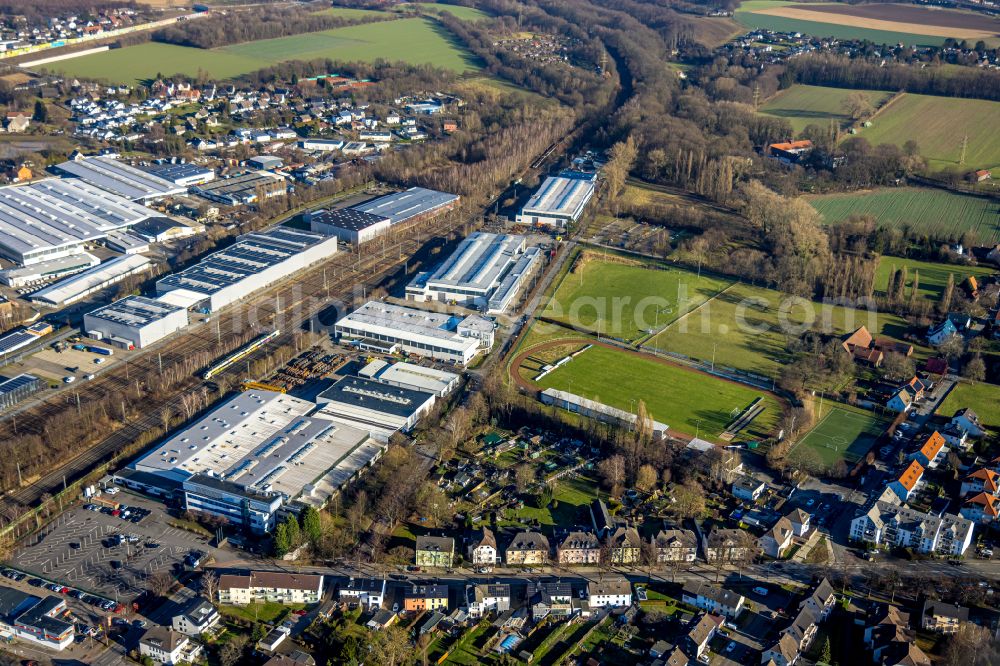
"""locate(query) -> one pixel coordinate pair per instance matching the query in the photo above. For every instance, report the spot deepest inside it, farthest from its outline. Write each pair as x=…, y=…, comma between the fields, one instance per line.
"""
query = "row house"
x=730, y=545
x=713, y=599
x=614, y=592
x=579, y=548
x=528, y=548
x=907, y=481
x=483, y=599
x=676, y=545
x=420, y=598
x=625, y=546
x=931, y=450
x=434, y=551
x=550, y=598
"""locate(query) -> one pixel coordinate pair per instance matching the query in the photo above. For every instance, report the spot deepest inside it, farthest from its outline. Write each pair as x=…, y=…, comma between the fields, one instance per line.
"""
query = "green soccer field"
x=932, y=276
x=627, y=301
x=415, y=40
x=842, y=433
x=688, y=401
x=816, y=105
x=934, y=212
x=747, y=328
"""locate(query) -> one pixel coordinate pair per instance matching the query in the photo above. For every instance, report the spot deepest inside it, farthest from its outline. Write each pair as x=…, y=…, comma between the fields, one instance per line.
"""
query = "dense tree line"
x=247, y=25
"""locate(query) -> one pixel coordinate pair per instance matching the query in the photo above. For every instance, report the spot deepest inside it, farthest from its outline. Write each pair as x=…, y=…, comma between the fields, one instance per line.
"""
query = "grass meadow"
x=416, y=40
x=688, y=401
x=816, y=105
x=842, y=433
x=934, y=212
x=933, y=276
x=982, y=398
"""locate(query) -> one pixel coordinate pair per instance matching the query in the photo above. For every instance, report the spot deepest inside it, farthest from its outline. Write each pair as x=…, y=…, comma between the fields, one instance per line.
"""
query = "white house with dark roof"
x=968, y=420
x=198, y=617
x=713, y=599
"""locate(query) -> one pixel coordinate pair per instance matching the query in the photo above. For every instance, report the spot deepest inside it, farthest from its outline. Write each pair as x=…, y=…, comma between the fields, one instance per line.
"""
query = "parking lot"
x=106, y=554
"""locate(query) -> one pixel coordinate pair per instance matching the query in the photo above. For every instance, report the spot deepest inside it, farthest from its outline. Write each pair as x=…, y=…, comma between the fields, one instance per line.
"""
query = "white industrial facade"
x=412, y=376
x=184, y=174
x=411, y=204
x=347, y=224
x=134, y=321
x=57, y=217
x=81, y=285
x=380, y=408
x=254, y=262
x=560, y=200
x=49, y=269
x=113, y=175
x=476, y=272
x=429, y=334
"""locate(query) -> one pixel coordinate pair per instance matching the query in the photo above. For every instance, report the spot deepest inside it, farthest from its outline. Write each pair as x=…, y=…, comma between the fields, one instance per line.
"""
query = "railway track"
x=289, y=305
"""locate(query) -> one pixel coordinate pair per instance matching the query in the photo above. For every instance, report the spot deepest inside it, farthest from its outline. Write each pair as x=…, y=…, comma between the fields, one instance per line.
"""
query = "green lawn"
x=416, y=40
x=808, y=105
x=982, y=398
x=745, y=328
x=627, y=301
x=842, y=433
x=934, y=212
x=747, y=16
x=572, y=499
x=933, y=276
x=458, y=11
x=687, y=401
x=938, y=125
x=268, y=612
x=350, y=12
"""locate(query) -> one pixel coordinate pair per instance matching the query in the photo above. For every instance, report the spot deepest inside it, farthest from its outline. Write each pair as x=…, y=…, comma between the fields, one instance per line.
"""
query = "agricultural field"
x=939, y=125
x=933, y=276
x=881, y=23
x=816, y=105
x=982, y=398
x=935, y=212
x=350, y=12
x=841, y=433
x=688, y=401
x=458, y=11
x=745, y=328
x=413, y=40
x=626, y=300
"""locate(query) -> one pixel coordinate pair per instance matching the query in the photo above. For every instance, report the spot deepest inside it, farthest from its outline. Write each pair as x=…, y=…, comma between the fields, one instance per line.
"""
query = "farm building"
x=410, y=205
x=791, y=151
x=349, y=225
x=380, y=408
x=83, y=284
x=134, y=322
x=477, y=271
x=57, y=217
x=124, y=180
x=184, y=174
x=243, y=189
x=253, y=262
x=257, y=451
x=430, y=334
x=560, y=200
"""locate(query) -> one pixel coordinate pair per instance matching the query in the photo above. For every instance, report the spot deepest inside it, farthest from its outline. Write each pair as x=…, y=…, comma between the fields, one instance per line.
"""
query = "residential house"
x=886, y=523
x=676, y=545
x=936, y=366
x=821, y=600
x=968, y=420
x=955, y=437
x=198, y=617
x=942, y=618
x=600, y=518
x=799, y=520
x=273, y=639
x=528, y=548
x=283, y=588
x=904, y=653
x=803, y=628
x=784, y=652
x=748, y=488
x=886, y=625
x=483, y=550
x=483, y=599
x=778, y=539
x=931, y=451
x=983, y=480
x=981, y=508
x=615, y=591
x=425, y=598
x=713, y=599
x=625, y=546
x=907, y=480
x=18, y=122
x=905, y=395
x=579, y=548
x=702, y=632
x=730, y=545
x=165, y=646
x=382, y=619
x=369, y=592
x=434, y=551
x=550, y=598
x=859, y=338
x=940, y=332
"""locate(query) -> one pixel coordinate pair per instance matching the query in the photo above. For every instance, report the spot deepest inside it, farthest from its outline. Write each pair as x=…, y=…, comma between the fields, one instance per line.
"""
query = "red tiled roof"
x=987, y=501
x=792, y=145
x=932, y=446
x=988, y=476
x=911, y=475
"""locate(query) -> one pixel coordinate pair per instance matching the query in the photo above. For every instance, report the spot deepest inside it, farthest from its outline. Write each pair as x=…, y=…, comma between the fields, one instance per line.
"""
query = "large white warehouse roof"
x=113, y=175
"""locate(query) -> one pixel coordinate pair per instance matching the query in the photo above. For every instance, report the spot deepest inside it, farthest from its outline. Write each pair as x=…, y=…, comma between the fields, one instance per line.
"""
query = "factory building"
x=321, y=144
x=50, y=269
x=134, y=322
x=184, y=174
x=484, y=266
x=254, y=454
x=124, y=180
x=79, y=286
x=17, y=388
x=409, y=206
x=253, y=262
x=431, y=334
x=559, y=201
x=54, y=218
x=411, y=376
x=242, y=190
x=379, y=408
x=349, y=225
